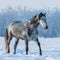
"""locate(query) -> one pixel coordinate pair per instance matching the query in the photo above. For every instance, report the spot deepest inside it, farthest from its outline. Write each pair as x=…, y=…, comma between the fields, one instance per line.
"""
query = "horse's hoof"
x=26, y=53
x=14, y=52
x=41, y=54
x=7, y=52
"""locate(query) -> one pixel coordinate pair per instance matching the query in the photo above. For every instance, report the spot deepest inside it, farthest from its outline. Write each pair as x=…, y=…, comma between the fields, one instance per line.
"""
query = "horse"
x=26, y=31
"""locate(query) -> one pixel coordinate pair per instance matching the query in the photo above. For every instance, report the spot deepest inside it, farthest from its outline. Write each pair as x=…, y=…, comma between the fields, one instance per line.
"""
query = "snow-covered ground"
x=50, y=50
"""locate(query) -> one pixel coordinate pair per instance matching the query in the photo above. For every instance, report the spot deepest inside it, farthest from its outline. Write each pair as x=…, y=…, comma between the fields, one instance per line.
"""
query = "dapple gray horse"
x=26, y=31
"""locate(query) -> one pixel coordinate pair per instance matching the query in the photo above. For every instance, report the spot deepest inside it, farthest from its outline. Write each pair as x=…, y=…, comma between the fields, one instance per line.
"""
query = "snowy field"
x=50, y=50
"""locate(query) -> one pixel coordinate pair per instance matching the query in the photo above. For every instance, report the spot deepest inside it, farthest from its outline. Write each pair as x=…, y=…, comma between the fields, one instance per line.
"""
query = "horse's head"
x=42, y=20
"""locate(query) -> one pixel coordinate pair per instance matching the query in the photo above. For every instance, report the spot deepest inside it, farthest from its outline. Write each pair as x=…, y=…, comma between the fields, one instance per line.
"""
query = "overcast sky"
x=32, y=4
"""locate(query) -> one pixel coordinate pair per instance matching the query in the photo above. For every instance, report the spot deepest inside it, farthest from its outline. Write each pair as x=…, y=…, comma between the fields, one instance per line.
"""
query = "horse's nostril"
x=47, y=27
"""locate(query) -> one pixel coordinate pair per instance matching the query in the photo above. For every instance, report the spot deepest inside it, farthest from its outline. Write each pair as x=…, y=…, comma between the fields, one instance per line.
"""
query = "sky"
x=31, y=4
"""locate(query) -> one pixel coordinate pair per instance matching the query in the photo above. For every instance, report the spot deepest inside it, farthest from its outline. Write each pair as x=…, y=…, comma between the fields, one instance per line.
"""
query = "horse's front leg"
x=26, y=42
x=38, y=43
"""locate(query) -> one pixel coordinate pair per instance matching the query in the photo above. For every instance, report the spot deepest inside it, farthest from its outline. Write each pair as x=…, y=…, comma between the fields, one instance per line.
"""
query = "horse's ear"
x=40, y=15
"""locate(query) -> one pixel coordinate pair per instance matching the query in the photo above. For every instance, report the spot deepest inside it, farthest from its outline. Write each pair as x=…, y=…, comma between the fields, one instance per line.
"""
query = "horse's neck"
x=32, y=26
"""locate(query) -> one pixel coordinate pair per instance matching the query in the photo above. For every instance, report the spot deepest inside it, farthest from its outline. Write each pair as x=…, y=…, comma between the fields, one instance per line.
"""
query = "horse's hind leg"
x=26, y=42
x=9, y=40
x=15, y=45
x=38, y=43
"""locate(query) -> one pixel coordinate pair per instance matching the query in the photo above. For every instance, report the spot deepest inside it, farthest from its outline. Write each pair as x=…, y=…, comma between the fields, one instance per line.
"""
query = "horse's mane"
x=32, y=19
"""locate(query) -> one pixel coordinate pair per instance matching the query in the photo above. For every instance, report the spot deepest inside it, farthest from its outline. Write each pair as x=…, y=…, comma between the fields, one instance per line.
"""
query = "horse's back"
x=16, y=22
x=14, y=25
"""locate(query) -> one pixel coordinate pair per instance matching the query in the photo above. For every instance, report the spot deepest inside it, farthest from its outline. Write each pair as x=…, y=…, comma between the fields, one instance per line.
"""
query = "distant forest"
x=52, y=16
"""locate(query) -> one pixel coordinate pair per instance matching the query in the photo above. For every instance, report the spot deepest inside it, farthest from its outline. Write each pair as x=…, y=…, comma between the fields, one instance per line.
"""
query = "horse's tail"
x=6, y=40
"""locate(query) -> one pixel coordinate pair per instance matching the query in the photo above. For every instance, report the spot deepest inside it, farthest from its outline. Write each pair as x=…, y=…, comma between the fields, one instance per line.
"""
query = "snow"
x=50, y=50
